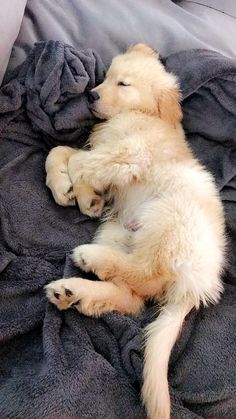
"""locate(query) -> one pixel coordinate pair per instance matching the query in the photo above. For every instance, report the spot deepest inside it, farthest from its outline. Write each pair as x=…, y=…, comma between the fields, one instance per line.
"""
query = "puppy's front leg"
x=58, y=180
x=88, y=195
x=90, y=202
x=102, y=167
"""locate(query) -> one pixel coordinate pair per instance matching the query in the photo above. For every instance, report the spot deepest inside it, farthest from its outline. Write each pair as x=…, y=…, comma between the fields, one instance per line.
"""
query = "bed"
x=64, y=365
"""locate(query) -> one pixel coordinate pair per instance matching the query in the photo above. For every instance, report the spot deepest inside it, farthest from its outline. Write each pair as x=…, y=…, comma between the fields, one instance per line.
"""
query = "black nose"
x=92, y=96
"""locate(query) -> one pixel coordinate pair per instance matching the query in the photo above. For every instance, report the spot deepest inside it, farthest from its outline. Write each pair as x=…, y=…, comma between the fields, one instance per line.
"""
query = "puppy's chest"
x=114, y=132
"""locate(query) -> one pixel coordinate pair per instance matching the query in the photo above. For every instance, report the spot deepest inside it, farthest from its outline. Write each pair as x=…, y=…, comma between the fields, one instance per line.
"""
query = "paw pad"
x=68, y=292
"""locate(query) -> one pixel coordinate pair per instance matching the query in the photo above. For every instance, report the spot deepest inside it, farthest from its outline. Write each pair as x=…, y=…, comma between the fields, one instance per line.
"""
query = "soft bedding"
x=63, y=365
x=111, y=26
x=11, y=15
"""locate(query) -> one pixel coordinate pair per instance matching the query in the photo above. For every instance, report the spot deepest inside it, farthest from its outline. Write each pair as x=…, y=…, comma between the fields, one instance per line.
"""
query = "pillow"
x=110, y=26
x=11, y=14
x=219, y=19
x=227, y=6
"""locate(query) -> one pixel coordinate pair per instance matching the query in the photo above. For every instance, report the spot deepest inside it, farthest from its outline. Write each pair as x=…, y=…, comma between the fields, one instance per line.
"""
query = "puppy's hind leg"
x=112, y=233
x=112, y=264
x=92, y=298
x=105, y=261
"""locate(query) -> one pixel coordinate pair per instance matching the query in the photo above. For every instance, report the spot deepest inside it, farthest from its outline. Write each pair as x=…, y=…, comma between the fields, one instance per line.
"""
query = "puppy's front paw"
x=91, y=205
x=62, y=190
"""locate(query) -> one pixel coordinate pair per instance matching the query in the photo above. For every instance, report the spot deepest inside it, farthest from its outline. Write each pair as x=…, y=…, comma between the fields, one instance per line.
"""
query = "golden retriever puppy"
x=163, y=235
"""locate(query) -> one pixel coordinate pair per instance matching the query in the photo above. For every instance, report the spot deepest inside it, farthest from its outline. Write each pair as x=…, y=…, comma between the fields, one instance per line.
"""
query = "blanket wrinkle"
x=64, y=365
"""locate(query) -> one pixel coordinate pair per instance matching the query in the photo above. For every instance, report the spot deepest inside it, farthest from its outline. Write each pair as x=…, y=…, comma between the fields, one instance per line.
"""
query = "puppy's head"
x=137, y=80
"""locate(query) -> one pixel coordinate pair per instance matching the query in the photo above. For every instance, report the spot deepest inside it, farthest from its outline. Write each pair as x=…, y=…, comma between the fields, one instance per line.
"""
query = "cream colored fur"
x=163, y=236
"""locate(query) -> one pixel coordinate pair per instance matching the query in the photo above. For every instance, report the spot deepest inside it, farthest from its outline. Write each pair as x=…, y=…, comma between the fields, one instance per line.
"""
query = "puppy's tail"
x=160, y=338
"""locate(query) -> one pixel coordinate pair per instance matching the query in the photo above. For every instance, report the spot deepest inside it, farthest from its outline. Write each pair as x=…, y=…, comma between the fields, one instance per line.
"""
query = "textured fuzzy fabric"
x=64, y=365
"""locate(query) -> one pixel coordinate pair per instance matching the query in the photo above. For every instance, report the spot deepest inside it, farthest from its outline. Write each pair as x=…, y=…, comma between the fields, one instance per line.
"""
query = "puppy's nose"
x=92, y=96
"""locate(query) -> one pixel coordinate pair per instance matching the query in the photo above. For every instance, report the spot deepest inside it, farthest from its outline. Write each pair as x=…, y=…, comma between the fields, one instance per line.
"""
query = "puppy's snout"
x=93, y=96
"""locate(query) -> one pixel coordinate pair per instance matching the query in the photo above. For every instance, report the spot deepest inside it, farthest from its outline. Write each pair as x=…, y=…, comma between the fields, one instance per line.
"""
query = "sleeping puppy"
x=163, y=236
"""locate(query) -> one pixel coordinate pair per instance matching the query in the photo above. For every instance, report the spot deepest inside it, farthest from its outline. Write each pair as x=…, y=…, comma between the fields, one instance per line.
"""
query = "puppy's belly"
x=132, y=226
x=133, y=204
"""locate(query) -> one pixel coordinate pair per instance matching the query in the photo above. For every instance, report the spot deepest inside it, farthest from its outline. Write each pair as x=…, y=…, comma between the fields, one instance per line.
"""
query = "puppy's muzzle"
x=93, y=96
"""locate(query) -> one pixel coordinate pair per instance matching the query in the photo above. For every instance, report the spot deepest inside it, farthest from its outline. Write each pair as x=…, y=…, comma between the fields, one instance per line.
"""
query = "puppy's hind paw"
x=62, y=293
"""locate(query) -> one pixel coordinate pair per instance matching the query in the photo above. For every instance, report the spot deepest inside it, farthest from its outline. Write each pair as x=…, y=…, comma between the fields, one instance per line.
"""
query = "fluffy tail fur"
x=160, y=338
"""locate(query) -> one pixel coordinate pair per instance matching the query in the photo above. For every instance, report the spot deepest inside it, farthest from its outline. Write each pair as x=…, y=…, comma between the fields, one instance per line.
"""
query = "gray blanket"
x=63, y=365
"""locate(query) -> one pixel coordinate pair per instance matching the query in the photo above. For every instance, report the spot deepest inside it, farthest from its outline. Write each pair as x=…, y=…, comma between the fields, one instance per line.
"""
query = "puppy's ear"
x=168, y=104
x=144, y=49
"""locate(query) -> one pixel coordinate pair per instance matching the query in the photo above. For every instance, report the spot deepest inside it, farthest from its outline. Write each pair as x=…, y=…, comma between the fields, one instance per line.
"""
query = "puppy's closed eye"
x=123, y=83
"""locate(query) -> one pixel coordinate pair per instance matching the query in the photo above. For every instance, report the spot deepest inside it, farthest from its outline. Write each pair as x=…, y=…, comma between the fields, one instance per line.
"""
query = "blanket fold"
x=63, y=365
